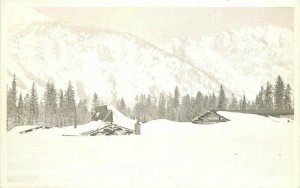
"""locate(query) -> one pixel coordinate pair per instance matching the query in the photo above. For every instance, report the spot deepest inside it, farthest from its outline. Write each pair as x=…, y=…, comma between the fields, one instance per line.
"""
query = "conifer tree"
x=27, y=109
x=170, y=112
x=185, y=108
x=241, y=104
x=260, y=101
x=213, y=101
x=12, y=105
x=205, y=103
x=234, y=104
x=176, y=98
x=122, y=106
x=33, y=106
x=140, y=110
x=70, y=106
x=244, y=103
x=20, y=110
x=268, y=99
x=222, y=99
x=61, y=109
x=50, y=105
x=161, y=106
x=95, y=101
x=197, y=109
x=279, y=94
x=287, y=97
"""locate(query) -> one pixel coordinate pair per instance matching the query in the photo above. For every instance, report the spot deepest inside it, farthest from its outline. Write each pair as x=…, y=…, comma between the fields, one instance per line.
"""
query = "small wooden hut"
x=209, y=117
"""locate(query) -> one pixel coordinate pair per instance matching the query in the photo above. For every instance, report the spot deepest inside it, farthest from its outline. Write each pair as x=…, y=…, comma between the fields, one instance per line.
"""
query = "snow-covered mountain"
x=115, y=64
x=110, y=63
x=243, y=59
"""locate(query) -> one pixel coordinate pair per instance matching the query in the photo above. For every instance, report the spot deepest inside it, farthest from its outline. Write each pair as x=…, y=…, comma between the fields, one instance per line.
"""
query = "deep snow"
x=249, y=151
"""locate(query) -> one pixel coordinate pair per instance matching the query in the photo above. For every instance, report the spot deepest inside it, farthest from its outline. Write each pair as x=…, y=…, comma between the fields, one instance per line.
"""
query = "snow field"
x=257, y=152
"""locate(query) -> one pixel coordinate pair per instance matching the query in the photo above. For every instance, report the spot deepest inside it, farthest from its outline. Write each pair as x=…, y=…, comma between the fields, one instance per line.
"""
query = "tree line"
x=55, y=108
x=58, y=107
x=186, y=107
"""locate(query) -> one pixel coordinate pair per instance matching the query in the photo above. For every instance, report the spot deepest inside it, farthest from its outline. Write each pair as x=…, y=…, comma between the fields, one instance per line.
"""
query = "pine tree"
x=140, y=111
x=170, y=111
x=251, y=105
x=244, y=103
x=268, y=99
x=279, y=94
x=256, y=102
x=27, y=109
x=205, y=103
x=95, y=101
x=161, y=106
x=241, y=104
x=33, y=106
x=222, y=99
x=70, y=106
x=176, y=98
x=61, y=109
x=136, y=109
x=260, y=99
x=12, y=105
x=233, y=105
x=213, y=101
x=152, y=107
x=185, y=109
x=122, y=106
x=197, y=107
x=287, y=98
x=20, y=111
x=50, y=105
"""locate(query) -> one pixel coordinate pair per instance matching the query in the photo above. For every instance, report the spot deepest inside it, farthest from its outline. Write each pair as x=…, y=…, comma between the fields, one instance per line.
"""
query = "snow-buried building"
x=209, y=117
x=112, y=123
x=212, y=116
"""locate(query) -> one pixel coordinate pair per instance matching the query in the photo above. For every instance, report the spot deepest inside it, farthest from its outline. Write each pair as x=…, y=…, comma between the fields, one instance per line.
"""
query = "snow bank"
x=241, y=125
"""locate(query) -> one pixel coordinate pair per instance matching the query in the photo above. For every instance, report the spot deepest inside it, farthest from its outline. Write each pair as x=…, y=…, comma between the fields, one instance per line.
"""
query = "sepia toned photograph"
x=148, y=97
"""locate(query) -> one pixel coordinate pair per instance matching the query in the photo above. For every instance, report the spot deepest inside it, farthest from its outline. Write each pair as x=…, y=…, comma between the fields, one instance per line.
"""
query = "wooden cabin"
x=209, y=117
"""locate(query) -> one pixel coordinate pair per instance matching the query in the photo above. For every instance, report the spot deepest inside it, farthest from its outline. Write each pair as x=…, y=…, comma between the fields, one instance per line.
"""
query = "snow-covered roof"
x=120, y=119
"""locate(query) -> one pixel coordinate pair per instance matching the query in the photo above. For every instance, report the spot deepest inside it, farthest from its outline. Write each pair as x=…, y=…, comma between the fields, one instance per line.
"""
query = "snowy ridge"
x=242, y=57
x=95, y=60
x=113, y=63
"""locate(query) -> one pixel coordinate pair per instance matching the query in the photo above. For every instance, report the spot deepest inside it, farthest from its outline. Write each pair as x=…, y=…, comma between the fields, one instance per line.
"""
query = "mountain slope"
x=110, y=63
x=243, y=58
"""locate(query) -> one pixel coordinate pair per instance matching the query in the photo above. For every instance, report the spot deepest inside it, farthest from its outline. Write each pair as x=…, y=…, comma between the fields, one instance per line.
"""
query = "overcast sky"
x=158, y=25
